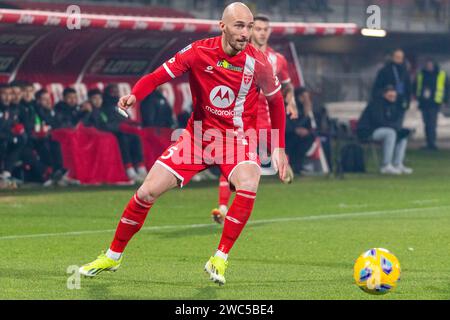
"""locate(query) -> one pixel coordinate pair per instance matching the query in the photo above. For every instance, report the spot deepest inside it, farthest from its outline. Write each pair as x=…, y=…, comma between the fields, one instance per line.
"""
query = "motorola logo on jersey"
x=221, y=97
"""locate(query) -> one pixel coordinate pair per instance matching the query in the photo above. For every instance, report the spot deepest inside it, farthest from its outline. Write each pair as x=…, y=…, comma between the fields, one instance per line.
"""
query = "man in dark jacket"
x=48, y=149
x=104, y=117
x=12, y=134
x=394, y=73
x=431, y=88
x=299, y=133
x=28, y=112
x=19, y=150
x=68, y=111
x=382, y=121
x=156, y=111
x=6, y=123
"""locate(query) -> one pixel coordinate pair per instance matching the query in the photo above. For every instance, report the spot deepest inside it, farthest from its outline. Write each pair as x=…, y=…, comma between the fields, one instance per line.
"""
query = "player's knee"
x=248, y=183
x=147, y=193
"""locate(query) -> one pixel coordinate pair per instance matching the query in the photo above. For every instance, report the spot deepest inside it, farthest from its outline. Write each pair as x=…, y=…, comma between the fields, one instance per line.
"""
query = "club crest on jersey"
x=226, y=65
x=247, y=78
x=221, y=97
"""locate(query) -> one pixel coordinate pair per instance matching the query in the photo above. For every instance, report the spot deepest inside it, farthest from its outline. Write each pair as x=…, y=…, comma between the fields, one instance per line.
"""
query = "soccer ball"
x=377, y=271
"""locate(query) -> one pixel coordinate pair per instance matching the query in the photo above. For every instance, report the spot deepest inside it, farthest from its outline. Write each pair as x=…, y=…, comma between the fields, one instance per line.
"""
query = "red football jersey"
x=280, y=69
x=224, y=88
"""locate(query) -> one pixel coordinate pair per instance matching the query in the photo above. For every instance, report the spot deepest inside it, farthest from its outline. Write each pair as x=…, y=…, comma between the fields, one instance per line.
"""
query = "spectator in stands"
x=5, y=134
x=27, y=113
x=396, y=74
x=19, y=156
x=299, y=134
x=49, y=150
x=381, y=121
x=12, y=134
x=16, y=107
x=183, y=118
x=95, y=98
x=156, y=111
x=431, y=89
x=68, y=111
x=105, y=118
x=46, y=111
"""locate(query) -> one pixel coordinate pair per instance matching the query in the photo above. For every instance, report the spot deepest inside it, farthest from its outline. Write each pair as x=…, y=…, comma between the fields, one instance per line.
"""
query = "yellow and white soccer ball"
x=377, y=271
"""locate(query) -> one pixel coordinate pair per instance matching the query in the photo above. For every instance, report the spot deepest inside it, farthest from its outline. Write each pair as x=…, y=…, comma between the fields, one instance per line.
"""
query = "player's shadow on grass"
x=9, y=273
x=186, y=232
x=296, y=263
x=98, y=289
x=208, y=292
x=101, y=289
x=213, y=229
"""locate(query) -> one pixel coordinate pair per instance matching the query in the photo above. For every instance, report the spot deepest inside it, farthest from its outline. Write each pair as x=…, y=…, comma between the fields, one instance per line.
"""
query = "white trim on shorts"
x=176, y=174
x=246, y=161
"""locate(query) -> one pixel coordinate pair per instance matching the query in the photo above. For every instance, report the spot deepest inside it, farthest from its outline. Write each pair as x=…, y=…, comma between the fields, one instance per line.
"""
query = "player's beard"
x=238, y=45
x=234, y=43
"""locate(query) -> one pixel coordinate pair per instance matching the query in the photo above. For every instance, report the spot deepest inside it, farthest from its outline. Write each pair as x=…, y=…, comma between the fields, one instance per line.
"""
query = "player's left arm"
x=278, y=120
x=271, y=86
x=287, y=88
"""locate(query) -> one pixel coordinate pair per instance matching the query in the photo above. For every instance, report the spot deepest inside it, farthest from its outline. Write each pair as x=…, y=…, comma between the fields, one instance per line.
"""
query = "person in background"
x=22, y=161
x=16, y=98
x=104, y=117
x=24, y=104
x=68, y=111
x=46, y=111
x=394, y=73
x=381, y=121
x=299, y=134
x=5, y=135
x=12, y=134
x=49, y=150
x=431, y=88
x=156, y=111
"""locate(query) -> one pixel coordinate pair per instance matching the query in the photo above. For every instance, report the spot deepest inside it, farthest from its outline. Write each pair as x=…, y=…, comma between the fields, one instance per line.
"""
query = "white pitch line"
x=262, y=221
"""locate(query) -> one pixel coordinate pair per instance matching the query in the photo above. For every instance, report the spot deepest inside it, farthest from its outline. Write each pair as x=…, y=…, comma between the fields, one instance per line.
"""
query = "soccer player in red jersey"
x=260, y=38
x=226, y=74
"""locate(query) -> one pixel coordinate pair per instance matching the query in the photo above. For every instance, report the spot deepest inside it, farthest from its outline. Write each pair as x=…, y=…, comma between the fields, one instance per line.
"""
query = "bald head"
x=236, y=26
x=236, y=10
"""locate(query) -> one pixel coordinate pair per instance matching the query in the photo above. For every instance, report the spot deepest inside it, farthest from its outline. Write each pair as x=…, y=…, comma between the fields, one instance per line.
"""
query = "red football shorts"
x=190, y=155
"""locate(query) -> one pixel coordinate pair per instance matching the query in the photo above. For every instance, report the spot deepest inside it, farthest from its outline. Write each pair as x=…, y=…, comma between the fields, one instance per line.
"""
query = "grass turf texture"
x=308, y=257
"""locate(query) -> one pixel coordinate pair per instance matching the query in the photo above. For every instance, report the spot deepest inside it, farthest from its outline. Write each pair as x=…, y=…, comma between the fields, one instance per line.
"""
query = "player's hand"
x=291, y=110
x=280, y=162
x=127, y=101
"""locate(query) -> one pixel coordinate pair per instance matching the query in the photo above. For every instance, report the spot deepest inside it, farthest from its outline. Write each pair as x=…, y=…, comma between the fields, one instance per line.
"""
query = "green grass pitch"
x=301, y=241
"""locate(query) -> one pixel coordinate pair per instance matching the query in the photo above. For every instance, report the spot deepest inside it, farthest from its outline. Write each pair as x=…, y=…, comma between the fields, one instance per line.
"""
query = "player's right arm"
x=171, y=69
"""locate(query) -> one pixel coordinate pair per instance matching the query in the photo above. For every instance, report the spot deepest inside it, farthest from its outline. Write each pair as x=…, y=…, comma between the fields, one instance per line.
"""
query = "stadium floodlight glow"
x=373, y=32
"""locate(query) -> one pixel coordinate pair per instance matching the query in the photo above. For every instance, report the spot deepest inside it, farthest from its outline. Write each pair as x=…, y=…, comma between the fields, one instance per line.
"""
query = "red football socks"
x=133, y=218
x=224, y=191
x=236, y=219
